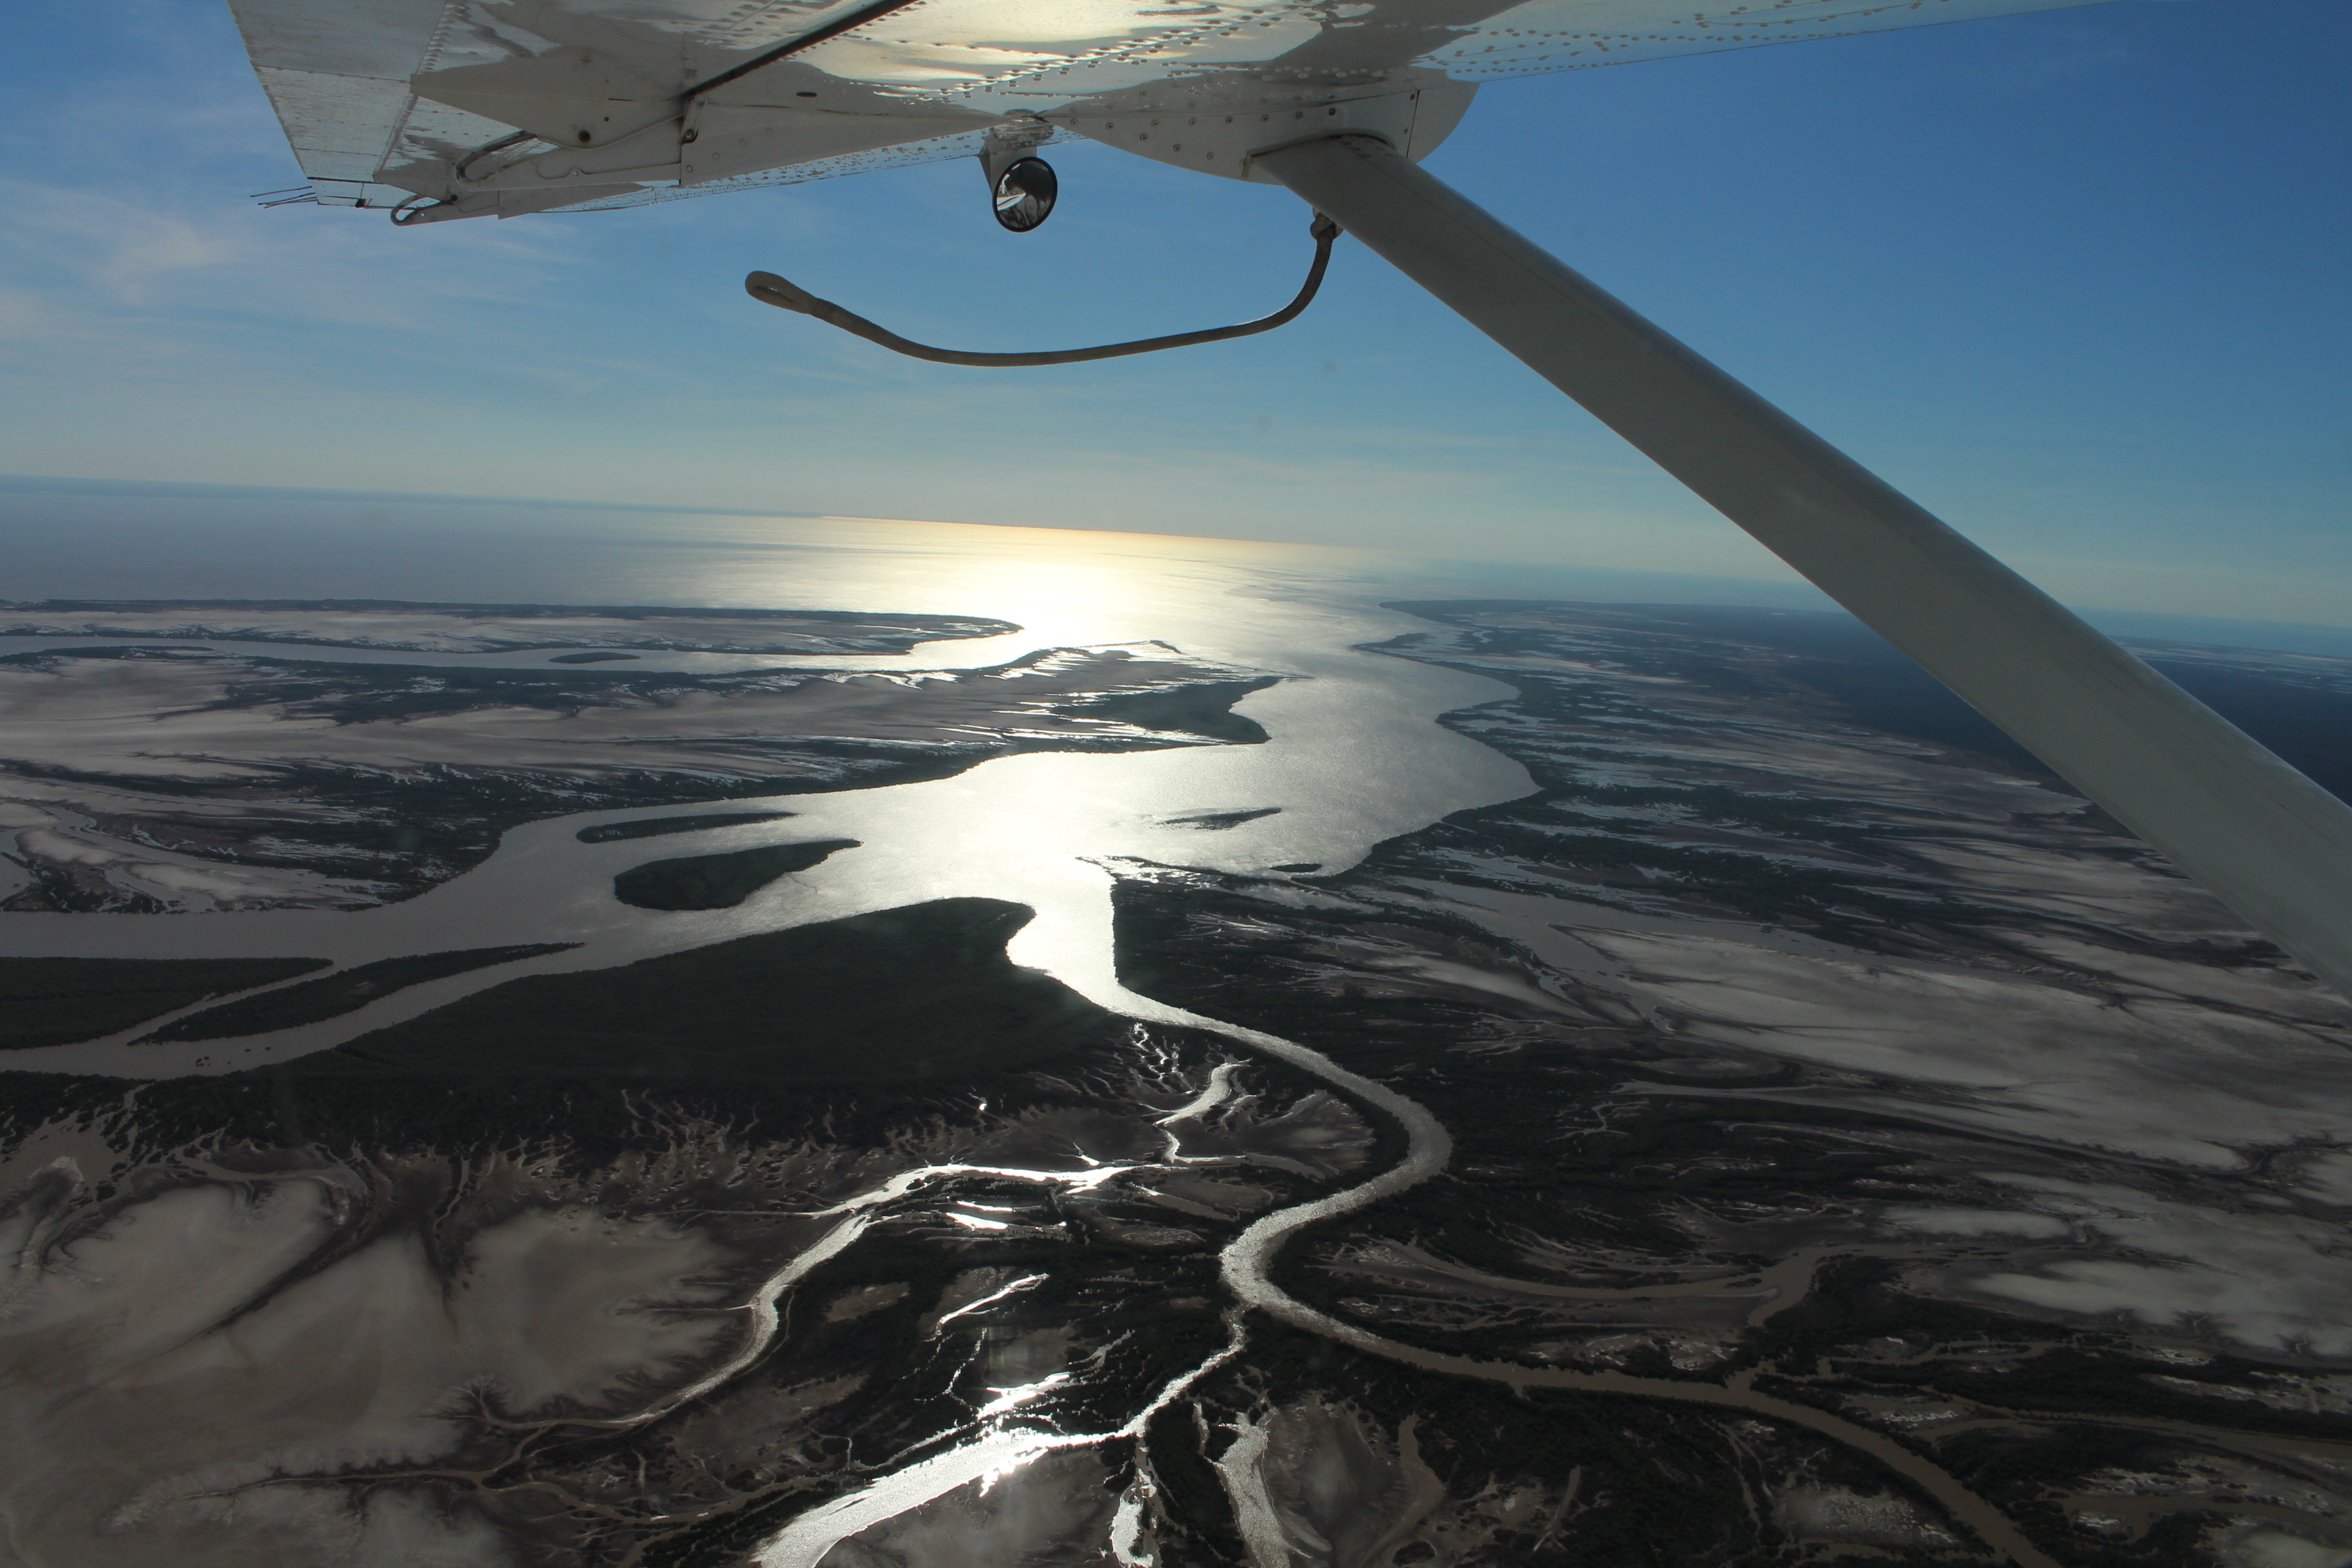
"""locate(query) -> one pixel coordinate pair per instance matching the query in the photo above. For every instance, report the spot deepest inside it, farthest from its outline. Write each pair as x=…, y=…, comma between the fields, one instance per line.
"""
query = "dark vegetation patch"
x=334, y=994
x=922, y=991
x=1205, y=709
x=602, y=656
x=659, y=826
x=870, y=1020
x=718, y=882
x=57, y=1001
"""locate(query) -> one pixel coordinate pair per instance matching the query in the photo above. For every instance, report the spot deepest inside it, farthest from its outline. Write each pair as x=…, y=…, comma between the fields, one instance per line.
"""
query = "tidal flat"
x=1761, y=1124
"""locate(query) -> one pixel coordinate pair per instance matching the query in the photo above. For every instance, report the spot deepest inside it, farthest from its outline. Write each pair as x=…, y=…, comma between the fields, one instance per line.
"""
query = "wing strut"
x=2275, y=846
x=771, y=289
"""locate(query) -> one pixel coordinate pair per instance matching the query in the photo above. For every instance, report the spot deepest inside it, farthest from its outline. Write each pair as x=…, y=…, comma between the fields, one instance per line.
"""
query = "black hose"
x=771, y=289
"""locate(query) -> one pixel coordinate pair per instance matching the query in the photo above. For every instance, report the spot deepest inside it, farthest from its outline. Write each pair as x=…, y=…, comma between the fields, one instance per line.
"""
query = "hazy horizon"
x=32, y=573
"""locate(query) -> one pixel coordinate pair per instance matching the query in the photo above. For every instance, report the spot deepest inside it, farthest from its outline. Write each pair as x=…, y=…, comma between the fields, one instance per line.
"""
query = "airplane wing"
x=463, y=108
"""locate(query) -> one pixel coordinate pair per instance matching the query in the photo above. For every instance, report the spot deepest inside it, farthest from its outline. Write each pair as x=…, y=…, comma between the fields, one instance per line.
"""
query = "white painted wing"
x=454, y=108
x=340, y=73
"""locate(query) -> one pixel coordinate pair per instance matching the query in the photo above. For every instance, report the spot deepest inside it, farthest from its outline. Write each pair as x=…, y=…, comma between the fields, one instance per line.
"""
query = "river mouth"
x=1475, y=1085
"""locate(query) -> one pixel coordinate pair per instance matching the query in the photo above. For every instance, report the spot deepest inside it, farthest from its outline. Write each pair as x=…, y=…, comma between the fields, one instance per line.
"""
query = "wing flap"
x=339, y=127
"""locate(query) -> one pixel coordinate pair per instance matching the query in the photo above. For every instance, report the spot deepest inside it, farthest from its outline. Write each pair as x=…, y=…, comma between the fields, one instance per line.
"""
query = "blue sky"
x=2074, y=279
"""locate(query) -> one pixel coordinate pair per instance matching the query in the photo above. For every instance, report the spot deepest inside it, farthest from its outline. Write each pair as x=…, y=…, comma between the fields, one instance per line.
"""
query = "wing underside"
x=505, y=107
